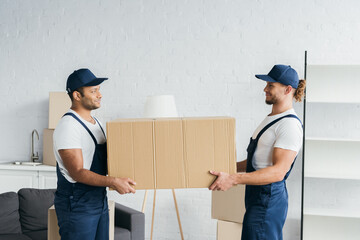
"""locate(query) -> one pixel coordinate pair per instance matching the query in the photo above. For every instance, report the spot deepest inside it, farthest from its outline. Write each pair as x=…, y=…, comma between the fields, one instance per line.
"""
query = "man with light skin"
x=80, y=151
x=271, y=154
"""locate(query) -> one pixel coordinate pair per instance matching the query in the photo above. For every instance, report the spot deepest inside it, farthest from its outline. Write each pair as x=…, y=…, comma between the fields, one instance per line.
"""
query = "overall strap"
x=100, y=127
x=275, y=121
x=83, y=124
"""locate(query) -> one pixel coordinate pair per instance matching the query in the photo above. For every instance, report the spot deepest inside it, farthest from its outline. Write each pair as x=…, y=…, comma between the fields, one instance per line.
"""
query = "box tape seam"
x=132, y=150
x=154, y=154
x=184, y=154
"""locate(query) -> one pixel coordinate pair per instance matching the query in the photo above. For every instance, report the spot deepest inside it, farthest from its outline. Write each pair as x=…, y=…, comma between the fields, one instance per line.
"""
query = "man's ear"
x=76, y=95
x=288, y=89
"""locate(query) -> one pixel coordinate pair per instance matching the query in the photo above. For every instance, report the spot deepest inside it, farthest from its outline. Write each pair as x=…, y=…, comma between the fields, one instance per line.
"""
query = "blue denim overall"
x=266, y=205
x=82, y=210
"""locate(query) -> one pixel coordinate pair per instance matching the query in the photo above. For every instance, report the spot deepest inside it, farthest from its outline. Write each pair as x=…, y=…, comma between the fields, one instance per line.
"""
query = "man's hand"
x=223, y=182
x=123, y=185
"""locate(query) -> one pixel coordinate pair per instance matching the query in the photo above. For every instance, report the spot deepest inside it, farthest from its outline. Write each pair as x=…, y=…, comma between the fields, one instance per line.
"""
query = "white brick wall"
x=204, y=52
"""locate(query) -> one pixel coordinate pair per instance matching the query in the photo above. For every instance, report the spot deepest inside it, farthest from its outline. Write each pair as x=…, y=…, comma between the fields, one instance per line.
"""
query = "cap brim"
x=96, y=82
x=266, y=78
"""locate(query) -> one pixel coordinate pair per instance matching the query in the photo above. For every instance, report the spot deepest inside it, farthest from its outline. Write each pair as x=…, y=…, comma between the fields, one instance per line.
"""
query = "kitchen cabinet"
x=14, y=177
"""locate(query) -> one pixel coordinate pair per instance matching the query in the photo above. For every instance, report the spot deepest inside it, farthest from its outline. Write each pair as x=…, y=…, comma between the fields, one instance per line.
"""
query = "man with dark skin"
x=80, y=151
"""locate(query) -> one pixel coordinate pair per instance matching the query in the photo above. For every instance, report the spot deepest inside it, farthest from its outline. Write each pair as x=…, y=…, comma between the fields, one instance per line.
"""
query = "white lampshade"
x=160, y=106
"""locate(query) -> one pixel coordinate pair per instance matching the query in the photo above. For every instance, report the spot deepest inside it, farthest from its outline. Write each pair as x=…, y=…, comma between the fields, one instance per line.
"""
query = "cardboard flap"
x=199, y=152
x=130, y=152
x=170, y=170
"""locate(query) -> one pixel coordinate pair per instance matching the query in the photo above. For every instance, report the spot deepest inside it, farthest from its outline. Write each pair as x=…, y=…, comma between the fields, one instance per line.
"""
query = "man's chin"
x=93, y=107
x=269, y=102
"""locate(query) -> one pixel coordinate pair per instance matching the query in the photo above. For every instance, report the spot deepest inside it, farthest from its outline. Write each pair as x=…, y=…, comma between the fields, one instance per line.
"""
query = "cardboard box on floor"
x=59, y=104
x=229, y=205
x=171, y=153
x=53, y=227
x=48, y=149
x=228, y=230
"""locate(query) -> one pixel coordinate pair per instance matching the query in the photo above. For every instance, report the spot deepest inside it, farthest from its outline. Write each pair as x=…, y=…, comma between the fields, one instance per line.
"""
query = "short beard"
x=271, y=101
x=89, y=106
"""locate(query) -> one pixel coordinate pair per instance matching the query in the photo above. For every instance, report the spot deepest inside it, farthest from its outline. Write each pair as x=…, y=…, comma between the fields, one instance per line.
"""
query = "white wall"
x=204, y=52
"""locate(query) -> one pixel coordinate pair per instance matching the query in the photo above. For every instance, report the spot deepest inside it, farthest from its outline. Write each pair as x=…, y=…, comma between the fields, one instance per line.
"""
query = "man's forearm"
x=282, y=160
x=91, y=178
x=260, y=177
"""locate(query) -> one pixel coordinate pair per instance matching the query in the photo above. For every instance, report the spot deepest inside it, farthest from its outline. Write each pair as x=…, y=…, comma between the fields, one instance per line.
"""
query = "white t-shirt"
x=70, y=134
x=286, y=134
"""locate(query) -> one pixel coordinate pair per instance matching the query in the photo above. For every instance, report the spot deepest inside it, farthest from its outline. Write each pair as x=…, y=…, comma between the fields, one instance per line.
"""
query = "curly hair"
x=299, y=92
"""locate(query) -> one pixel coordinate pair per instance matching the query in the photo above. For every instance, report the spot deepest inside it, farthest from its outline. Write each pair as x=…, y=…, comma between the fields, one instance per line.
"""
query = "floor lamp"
x=161, y=106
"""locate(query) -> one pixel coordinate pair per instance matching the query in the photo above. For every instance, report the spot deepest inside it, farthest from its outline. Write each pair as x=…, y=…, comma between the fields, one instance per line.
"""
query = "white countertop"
x=11, y=166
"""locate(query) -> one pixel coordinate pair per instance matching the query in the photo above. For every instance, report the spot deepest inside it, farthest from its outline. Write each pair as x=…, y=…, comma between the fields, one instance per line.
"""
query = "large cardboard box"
x=171, y=153
x=59, y=104
x=228, y=230
x=48, y=149
x=53, y=227
x=229, y=205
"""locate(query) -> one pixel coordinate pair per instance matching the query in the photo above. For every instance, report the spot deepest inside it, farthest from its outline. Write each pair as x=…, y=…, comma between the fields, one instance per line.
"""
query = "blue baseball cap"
x=283, y=74
x=81, y=78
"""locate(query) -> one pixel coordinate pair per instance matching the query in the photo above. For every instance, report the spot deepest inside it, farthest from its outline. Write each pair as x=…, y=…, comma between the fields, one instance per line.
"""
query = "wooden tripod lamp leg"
x=144, y=202
x=153, y=214
x=178, y=215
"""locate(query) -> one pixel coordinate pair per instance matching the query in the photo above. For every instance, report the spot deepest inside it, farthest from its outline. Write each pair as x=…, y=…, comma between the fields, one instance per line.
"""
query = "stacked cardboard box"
x=48, y=153
x=228, y=230
x=59, y=104
x=229, y=208
x=171, y=153
x=53, y=227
